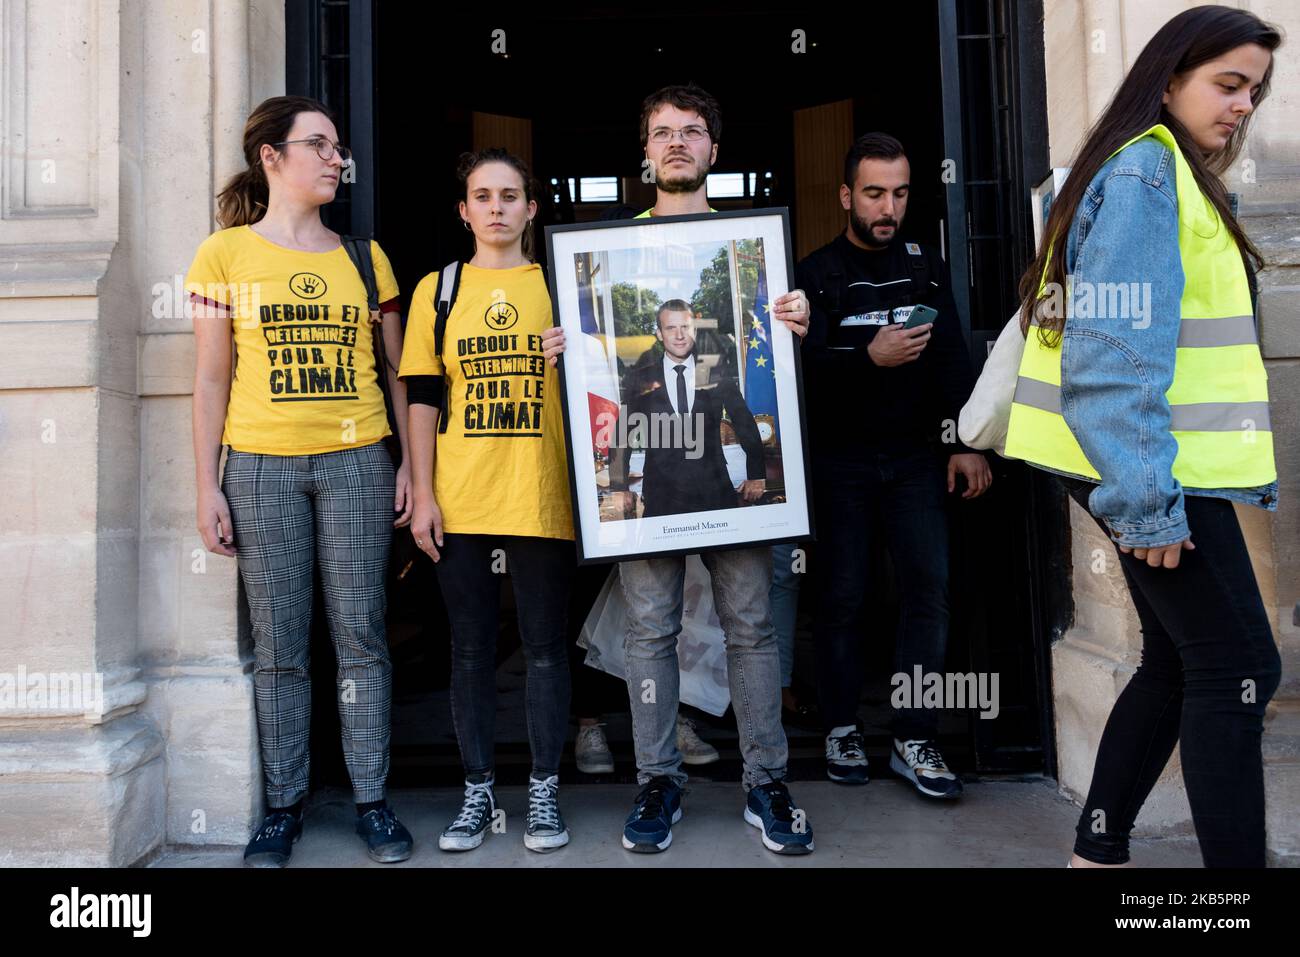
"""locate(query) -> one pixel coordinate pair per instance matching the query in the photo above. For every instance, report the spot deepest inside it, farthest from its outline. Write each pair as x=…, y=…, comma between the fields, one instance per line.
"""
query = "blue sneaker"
x=649, y=828
x=785, y=827
x=272, y=845
x=387, y=841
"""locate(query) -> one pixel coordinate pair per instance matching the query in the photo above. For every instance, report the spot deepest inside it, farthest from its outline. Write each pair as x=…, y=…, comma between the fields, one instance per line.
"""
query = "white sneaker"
x=591, y=750
x=694, y=749
x=921, y=763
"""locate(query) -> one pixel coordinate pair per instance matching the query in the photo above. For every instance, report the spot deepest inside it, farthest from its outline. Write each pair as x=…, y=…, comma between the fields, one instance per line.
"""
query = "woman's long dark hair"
x=495, y=154
x=1193, y=37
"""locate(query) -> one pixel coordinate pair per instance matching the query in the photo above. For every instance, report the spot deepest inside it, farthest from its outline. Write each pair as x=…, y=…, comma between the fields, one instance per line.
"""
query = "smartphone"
x=920, y=316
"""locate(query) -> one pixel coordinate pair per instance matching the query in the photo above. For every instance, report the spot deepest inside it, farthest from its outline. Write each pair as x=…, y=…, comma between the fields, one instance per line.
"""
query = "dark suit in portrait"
x=672, y=482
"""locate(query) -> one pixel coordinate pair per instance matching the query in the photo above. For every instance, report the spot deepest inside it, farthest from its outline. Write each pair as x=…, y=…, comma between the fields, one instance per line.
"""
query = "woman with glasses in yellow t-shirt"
x=495, y=497
x=308, y=482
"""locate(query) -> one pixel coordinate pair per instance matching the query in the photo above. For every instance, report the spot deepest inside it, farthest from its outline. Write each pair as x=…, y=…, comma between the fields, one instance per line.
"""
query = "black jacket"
x=853, y=405
x=672, y=482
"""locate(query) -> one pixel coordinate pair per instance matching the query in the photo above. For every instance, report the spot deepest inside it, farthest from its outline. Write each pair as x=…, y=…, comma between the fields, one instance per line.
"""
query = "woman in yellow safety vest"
x=1142, y=385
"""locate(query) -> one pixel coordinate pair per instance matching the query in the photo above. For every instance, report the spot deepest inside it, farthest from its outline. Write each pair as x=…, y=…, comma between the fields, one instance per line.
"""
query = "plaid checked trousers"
x=290, y=512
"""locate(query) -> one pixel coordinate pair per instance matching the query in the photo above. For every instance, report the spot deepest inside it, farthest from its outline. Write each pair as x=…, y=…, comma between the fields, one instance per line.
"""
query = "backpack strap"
x=833, y=290
x=358, y=250
x=448, y=286
x=445, y=295
x=919, y=264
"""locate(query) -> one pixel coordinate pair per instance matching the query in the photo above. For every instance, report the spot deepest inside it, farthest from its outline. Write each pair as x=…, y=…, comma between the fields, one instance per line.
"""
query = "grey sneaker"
x=694, y=749
x=545, y=830
x=591, y=750
x=466, y=832
x=846, y=756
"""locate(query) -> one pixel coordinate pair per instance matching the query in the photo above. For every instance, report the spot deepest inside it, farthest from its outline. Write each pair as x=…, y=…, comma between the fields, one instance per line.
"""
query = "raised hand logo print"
x=500, y=315
x=307, y=285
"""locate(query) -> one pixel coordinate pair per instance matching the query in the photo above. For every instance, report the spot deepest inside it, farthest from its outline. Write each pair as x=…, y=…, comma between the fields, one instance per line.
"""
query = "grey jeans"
x=652, y=589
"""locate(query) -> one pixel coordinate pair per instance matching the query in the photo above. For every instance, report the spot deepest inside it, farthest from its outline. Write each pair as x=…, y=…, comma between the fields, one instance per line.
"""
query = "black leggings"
x=1209, y=667
x=541, y=573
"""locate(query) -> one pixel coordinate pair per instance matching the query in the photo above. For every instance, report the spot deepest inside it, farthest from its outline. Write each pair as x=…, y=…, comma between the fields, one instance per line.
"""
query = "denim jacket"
x=1115, y=370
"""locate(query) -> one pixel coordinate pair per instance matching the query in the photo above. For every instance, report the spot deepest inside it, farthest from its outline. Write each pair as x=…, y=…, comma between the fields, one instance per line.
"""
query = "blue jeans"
x=784, y=595
x=541, y=571
x=652, y=589
x=907, y=489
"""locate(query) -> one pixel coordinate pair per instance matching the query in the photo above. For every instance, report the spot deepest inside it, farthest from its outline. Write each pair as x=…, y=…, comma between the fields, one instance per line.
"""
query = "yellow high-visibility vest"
x=1219, y=396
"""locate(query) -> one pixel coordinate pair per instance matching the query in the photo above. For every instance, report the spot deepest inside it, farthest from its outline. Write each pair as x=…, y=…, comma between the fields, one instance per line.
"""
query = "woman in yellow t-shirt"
x=498, y=498
x=308, y=479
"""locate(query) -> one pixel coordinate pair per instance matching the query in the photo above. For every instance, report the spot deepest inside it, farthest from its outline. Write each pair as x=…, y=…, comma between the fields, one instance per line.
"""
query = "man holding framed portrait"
x=689, y=291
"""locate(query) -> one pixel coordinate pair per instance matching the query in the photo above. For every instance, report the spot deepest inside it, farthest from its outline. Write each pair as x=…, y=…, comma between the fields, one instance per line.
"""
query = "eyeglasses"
x=690, y=134
x=323, y=147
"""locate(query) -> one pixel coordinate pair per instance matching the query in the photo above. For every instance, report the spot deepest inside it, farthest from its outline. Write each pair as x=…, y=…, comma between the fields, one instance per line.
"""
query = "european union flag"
x=760, y=371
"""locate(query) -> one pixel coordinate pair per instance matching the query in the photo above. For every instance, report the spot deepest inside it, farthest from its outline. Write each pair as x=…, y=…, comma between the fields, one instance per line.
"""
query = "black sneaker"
x=466, y=832
x=544, y=830
x=272, y=845
x=921, y=763
x=846, y=757
x=649, y=828
x=386, y=840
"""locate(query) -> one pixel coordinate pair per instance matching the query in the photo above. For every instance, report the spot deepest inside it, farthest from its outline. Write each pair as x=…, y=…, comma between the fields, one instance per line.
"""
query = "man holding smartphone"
x=887, y=371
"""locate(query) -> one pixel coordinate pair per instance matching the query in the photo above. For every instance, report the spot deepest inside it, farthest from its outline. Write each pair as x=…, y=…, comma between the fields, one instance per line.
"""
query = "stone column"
x=118, y=119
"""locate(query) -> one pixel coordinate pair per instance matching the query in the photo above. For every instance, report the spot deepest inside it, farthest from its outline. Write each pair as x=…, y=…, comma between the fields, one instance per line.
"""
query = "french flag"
x=602, y=384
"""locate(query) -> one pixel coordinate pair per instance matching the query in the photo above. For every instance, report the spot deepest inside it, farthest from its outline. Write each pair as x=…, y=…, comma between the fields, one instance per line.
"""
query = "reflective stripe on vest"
x=1218, y=400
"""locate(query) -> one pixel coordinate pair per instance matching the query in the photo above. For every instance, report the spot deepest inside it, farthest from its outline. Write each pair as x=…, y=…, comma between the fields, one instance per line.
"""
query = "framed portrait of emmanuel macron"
x=682, y=393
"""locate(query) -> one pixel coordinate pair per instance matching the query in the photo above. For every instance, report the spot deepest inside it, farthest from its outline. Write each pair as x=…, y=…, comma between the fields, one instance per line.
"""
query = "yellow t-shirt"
x=501, y=466
x=305, y=379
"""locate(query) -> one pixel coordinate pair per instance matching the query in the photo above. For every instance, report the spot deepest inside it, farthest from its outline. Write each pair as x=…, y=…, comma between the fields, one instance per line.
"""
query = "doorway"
x=957, y=83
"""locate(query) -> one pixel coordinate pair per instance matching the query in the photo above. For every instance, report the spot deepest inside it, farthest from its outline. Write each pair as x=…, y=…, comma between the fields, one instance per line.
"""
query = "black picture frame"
x=798, y=515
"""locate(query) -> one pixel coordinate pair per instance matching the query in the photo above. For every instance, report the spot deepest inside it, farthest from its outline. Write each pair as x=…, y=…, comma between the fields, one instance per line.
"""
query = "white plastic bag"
x=701, y=655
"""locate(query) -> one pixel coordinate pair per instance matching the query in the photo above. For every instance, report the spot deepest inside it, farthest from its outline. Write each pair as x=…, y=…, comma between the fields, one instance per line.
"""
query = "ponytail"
x=244, y=199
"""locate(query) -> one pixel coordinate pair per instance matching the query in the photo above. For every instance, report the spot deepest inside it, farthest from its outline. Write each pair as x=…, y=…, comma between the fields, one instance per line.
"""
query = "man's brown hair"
x=688, y=97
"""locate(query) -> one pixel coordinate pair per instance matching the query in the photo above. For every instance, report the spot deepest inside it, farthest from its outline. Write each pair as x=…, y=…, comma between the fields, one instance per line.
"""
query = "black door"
x=985, y=77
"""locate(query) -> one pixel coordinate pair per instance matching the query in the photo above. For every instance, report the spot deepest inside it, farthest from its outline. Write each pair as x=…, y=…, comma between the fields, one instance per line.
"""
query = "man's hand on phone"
x=894, y=345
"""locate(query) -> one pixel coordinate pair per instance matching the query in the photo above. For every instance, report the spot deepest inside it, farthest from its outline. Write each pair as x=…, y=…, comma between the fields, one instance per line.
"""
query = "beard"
x=866, y=231
x=689, y=185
